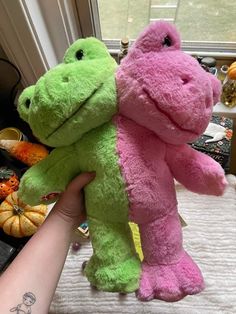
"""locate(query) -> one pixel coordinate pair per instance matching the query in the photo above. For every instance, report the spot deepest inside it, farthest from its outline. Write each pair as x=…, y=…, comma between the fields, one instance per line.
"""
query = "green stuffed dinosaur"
x=71, y=108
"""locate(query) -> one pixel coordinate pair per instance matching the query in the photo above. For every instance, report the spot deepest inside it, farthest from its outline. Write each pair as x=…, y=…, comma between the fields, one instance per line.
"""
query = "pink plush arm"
x=196, y=171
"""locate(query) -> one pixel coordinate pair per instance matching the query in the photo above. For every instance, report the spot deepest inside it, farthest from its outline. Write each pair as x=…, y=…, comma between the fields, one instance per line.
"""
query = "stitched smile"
x=166, y=114
x=74, y=113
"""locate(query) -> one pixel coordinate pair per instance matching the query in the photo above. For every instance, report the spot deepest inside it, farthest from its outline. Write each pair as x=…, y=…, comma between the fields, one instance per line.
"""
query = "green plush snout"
x=74, y=97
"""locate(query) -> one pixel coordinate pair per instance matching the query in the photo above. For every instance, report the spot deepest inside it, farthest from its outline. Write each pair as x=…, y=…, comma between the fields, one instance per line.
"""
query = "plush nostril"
x=65, y=79
x=184, y=80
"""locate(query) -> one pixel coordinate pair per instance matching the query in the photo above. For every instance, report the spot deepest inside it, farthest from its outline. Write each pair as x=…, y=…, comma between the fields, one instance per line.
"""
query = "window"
x=35, y=33
x=205, y=26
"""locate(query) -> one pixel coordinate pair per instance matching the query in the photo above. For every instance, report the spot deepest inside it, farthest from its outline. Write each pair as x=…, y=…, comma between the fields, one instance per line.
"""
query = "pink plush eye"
x=167, y=42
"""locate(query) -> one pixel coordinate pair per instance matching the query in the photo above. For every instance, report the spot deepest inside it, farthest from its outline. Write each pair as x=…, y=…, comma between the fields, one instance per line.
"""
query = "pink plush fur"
x=164, y=89
x=165, y=101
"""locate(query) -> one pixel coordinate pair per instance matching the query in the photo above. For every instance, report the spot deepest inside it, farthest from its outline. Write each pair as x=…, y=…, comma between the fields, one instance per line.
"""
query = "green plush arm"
x=50, y=175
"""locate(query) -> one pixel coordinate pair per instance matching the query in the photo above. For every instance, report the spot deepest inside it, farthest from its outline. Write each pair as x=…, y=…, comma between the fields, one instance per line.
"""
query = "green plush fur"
x=72, y=98
x=71, y=108
x=114, y=265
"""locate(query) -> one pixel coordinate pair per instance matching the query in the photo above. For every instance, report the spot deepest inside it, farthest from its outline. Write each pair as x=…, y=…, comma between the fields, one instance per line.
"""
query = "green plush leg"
x=114, y=265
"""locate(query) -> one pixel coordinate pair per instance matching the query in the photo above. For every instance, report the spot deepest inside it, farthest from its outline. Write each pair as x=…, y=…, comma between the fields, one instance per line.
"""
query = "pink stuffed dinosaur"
x=165, y=101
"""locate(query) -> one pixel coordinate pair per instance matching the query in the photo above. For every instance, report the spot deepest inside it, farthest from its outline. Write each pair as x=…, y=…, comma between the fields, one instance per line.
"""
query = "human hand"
x=70, y=206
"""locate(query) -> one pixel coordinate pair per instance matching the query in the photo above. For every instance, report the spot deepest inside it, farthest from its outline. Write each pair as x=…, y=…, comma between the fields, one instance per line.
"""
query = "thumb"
x=80, y=181
x=70, y=205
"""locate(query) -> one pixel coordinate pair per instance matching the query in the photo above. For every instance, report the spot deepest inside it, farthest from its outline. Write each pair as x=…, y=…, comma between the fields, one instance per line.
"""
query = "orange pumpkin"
x=19, y=219
x=232, y=71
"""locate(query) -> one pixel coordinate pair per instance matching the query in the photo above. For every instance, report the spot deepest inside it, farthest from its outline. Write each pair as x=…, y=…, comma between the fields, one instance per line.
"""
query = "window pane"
x=207, y=20
x=123, y=18
x=197, y=20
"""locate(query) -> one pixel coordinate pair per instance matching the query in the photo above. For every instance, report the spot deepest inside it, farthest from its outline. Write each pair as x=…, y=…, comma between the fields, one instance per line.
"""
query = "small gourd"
x=228, y=96
x=8, y=182
x=19, y=219
x=232, y=71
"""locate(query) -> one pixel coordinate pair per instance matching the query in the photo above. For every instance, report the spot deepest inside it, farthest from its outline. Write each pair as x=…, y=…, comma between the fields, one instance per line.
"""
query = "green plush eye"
x=27, y=103
x=79, y=54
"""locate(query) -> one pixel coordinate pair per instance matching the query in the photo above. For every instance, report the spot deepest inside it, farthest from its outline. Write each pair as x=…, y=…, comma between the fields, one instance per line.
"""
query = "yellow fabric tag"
x=136, y=236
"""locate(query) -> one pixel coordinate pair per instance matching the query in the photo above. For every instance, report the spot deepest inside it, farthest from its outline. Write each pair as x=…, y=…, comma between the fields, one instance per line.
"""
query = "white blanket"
x=210, y=238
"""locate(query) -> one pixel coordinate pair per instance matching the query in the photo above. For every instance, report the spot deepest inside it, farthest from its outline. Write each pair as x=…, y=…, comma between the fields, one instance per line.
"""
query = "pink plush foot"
x=170, y=282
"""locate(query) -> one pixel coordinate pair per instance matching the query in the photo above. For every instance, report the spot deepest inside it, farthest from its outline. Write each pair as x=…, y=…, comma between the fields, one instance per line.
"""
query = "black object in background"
x=208, y=64
x=10, y=78
x=9, y=248
x=7, y=253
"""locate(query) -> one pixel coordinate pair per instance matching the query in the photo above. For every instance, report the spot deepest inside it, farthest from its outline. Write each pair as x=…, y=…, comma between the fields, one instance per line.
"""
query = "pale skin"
x=37, y=268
